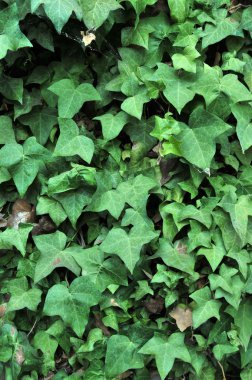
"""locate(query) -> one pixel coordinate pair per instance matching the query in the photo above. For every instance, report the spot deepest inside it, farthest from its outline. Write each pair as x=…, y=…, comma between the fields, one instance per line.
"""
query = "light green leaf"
x=72, y=304
x=6, y=131
x=239, y=208
x=21, y=296
x=127, y=246
x=97, y=11
x=177, y=86
x=11, y=37
x=166, y=349
x=216, y=33
x=110, y=200
x=72, y=98
x=198, y=143
x=112, y=124
x=53, y=254
x=121, y=355
x=179, y=9
x=205, y=307
x=134, y=104
x=242, y=320
x=23, y=162
x=173, y=258
x=243, y=115
x=15, y=237
x=215, y=254
x=52, y=207
x=73, y=203
x=102, y=272
x=70, y=142
x=59, y=11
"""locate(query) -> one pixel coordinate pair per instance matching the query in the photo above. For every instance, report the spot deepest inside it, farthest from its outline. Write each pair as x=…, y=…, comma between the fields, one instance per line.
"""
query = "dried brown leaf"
x=183, y=317
x=154, y=304
x=44, y=226
x=22, y=212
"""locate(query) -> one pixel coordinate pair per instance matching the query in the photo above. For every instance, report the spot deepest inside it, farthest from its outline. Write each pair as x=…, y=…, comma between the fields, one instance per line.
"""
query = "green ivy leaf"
x=59, y=11
x=131, y=243
x=112, y=124
x=70, y=142
x=11, y=37
x=6, y=130
x=166, y=349
x=205, y=308
x=53, y=254
x=41, y=122
x=95, y=13
x=72, y=98
x=72, y=303
x=21, y=296
x=121, y=355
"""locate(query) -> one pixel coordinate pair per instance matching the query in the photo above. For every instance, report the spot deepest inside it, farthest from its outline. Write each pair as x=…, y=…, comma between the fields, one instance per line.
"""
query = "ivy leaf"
x=53, y=254
x=134, y=104
x=12, y=88
x=241, y=319
x=215, y=33
x=6, y=130
x=25, y=162
x=15, y=237
x=73, y=203
x=41, y=121
x=72, y=304
x=243, y=114
x=102, y=272
x=70, y=142
x=52, y=207
x=215, y=254
x=179, y=9
x=210, y=83
x=72, y=98
x=166, y=349
x=140, y=5
x=239, y=208
x=198, y=143
x=11, y=37
x=21, y=296
x=173, y=258
x=121, y=355
x=112, y=124
x=110, y=200
x=127, y=246
x=205, y=307
x=59, y=11
x=135, y=191
x=177, y=86
x=95, y=13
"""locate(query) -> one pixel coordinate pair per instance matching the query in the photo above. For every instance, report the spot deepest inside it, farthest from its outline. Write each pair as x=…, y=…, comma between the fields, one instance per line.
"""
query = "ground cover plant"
x=125, y=189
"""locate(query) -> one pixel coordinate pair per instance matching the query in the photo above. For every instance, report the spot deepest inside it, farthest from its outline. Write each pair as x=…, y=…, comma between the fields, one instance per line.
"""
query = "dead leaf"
x=22, y=212
x=20, y=358
x=154, y=304
x=2, y=310
x=44, y=226
x=180, y=247
x=100, y=324
x=124, y=375
x=88, y=37
x=3, y=221
x=183, y=317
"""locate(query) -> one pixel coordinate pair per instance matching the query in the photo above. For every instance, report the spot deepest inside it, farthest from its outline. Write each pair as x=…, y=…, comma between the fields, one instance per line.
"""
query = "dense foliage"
x=125, y=189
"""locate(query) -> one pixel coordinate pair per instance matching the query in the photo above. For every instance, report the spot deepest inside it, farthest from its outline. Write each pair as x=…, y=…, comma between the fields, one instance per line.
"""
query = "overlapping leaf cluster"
x=125, y=189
